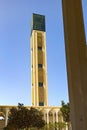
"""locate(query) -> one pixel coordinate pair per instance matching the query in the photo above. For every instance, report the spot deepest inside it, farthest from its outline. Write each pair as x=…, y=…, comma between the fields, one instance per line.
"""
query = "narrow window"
x=39, y=65
x=41, y=104
x=40, y=84
x=39, y=48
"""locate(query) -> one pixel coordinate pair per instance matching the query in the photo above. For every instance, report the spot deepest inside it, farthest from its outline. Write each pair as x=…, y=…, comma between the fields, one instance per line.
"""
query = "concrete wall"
x=75, y=45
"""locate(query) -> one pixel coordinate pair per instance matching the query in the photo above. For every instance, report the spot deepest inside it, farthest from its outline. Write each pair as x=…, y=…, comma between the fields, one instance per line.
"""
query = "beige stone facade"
x=39, y=68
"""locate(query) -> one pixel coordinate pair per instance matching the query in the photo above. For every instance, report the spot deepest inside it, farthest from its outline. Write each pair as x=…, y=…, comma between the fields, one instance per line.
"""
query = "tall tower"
x=38, y=61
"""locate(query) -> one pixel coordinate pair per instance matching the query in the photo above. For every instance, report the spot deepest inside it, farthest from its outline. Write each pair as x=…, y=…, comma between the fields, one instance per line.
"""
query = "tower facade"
x=38, y=61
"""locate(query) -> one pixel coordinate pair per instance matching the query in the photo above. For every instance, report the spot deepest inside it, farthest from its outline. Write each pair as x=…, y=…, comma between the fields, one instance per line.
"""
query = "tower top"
x=38, y=22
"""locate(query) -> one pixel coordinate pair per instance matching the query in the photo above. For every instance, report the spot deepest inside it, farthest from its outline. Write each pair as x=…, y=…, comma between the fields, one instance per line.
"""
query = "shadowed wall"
x=76, y=58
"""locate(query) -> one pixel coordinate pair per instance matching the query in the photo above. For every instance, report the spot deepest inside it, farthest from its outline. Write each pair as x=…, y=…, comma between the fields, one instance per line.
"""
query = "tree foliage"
x=60, y=125
x=36, y=118
x=56, y=125
x=21, y=117
x=65, y=109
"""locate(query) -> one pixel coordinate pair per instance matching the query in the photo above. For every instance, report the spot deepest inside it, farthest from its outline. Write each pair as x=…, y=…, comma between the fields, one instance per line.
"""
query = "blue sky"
x=15, y=69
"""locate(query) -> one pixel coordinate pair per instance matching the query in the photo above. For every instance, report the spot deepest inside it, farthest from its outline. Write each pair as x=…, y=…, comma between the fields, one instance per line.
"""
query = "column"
x=56, y=116
x=55, y=110
x=66, y=127
x=47, y=117
x=75, y=45
x=6, y=117
x=47, y=114
x=53, y=117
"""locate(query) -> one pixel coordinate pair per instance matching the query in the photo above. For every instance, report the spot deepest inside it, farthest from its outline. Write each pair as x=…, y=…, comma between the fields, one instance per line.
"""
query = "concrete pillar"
x=56, y=116
x=47, y=117
x=46, y=110
x=66, y=127
x=53, y=117
x=6, y=117
x=76, y=59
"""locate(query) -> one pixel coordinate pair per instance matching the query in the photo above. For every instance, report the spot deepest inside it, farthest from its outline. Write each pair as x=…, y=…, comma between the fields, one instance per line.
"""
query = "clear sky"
x=15, y=69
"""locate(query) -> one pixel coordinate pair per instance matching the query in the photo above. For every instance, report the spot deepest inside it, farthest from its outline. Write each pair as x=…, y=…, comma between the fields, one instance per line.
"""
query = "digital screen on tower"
x=38, y=22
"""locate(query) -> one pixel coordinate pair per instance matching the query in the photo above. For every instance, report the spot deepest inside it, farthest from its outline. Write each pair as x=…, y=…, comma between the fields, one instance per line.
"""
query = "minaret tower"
x=38, y=61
